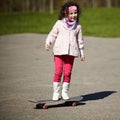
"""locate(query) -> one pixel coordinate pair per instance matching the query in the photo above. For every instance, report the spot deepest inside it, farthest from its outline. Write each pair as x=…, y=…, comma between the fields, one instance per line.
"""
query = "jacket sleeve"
x=81, y=42
x=52, y=34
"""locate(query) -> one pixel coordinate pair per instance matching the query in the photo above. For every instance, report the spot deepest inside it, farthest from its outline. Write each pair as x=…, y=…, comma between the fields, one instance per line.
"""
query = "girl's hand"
x=47, y=47
x=82, y=58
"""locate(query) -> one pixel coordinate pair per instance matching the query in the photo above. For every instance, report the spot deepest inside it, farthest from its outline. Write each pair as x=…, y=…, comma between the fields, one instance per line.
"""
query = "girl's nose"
x=73, y=14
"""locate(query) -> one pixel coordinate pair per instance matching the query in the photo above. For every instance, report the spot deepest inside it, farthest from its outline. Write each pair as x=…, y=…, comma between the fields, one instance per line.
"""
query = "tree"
x=109, y=3
x=51, y=6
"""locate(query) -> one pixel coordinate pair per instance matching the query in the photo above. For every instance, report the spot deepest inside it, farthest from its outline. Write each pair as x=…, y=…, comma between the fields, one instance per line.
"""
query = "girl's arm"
x=81, y=44
x=51, y=36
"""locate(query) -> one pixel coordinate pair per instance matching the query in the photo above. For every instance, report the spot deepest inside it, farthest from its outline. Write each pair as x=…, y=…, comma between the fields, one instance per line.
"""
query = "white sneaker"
x=56, y=91
x=65, y=89
x=55, y=96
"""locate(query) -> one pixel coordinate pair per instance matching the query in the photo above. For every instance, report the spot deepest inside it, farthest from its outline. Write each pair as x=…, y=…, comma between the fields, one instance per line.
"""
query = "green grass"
x=100, y=22
x=26, y=22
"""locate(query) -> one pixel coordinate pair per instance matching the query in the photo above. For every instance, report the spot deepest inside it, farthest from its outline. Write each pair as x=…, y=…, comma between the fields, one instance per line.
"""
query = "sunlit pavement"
x=26, y=72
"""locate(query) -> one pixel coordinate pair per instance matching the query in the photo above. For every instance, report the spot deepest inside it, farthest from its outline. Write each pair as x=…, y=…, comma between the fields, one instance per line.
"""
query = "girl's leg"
x=68, y=65
x=58, y=62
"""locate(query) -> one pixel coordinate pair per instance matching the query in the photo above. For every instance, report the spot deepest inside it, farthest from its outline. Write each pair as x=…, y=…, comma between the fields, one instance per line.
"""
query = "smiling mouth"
x=73, y=18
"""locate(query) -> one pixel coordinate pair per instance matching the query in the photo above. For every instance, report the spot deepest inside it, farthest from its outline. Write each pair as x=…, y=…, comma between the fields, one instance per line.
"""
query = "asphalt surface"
x=26, y=72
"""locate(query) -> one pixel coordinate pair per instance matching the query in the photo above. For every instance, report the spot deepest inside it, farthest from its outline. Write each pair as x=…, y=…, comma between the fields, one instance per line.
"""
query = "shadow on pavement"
x=97, y=95
x=87, y=97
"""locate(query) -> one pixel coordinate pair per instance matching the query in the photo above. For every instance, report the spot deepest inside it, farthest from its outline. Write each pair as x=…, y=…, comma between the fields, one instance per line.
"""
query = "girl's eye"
x=73, y=13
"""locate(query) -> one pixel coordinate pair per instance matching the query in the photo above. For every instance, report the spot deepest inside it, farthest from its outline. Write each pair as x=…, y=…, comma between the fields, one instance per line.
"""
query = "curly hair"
x=64, y=10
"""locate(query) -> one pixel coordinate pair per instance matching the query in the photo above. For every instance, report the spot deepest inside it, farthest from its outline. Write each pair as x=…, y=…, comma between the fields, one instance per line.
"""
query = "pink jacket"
x=66, y=42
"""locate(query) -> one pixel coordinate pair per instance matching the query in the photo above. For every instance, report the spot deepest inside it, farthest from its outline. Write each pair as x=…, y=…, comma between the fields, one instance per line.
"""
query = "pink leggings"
x=63, y=65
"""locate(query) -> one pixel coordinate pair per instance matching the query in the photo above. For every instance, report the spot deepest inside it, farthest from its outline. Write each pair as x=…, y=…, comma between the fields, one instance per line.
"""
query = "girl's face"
x=72, y=15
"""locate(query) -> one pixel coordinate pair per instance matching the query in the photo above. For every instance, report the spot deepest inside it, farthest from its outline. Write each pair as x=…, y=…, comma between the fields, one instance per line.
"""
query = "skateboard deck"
x=45, y=104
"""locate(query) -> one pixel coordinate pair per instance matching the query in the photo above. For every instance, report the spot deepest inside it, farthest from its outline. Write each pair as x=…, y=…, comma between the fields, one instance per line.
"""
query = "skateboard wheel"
x=74, y=104
x=38, y=106
x=45, y=107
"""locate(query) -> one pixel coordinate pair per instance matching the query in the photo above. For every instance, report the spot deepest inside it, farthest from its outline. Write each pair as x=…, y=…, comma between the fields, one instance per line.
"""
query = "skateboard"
x=45, y=104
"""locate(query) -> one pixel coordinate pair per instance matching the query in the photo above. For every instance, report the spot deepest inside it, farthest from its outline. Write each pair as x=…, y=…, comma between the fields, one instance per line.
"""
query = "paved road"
x=26, y=72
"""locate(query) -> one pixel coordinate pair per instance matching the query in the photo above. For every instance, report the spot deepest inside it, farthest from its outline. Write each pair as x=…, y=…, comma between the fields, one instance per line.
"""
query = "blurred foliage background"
x=99, y=17
x=51, y=5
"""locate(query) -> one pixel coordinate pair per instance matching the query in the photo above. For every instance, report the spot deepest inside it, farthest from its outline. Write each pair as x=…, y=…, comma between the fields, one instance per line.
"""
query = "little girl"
x=66, y=35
